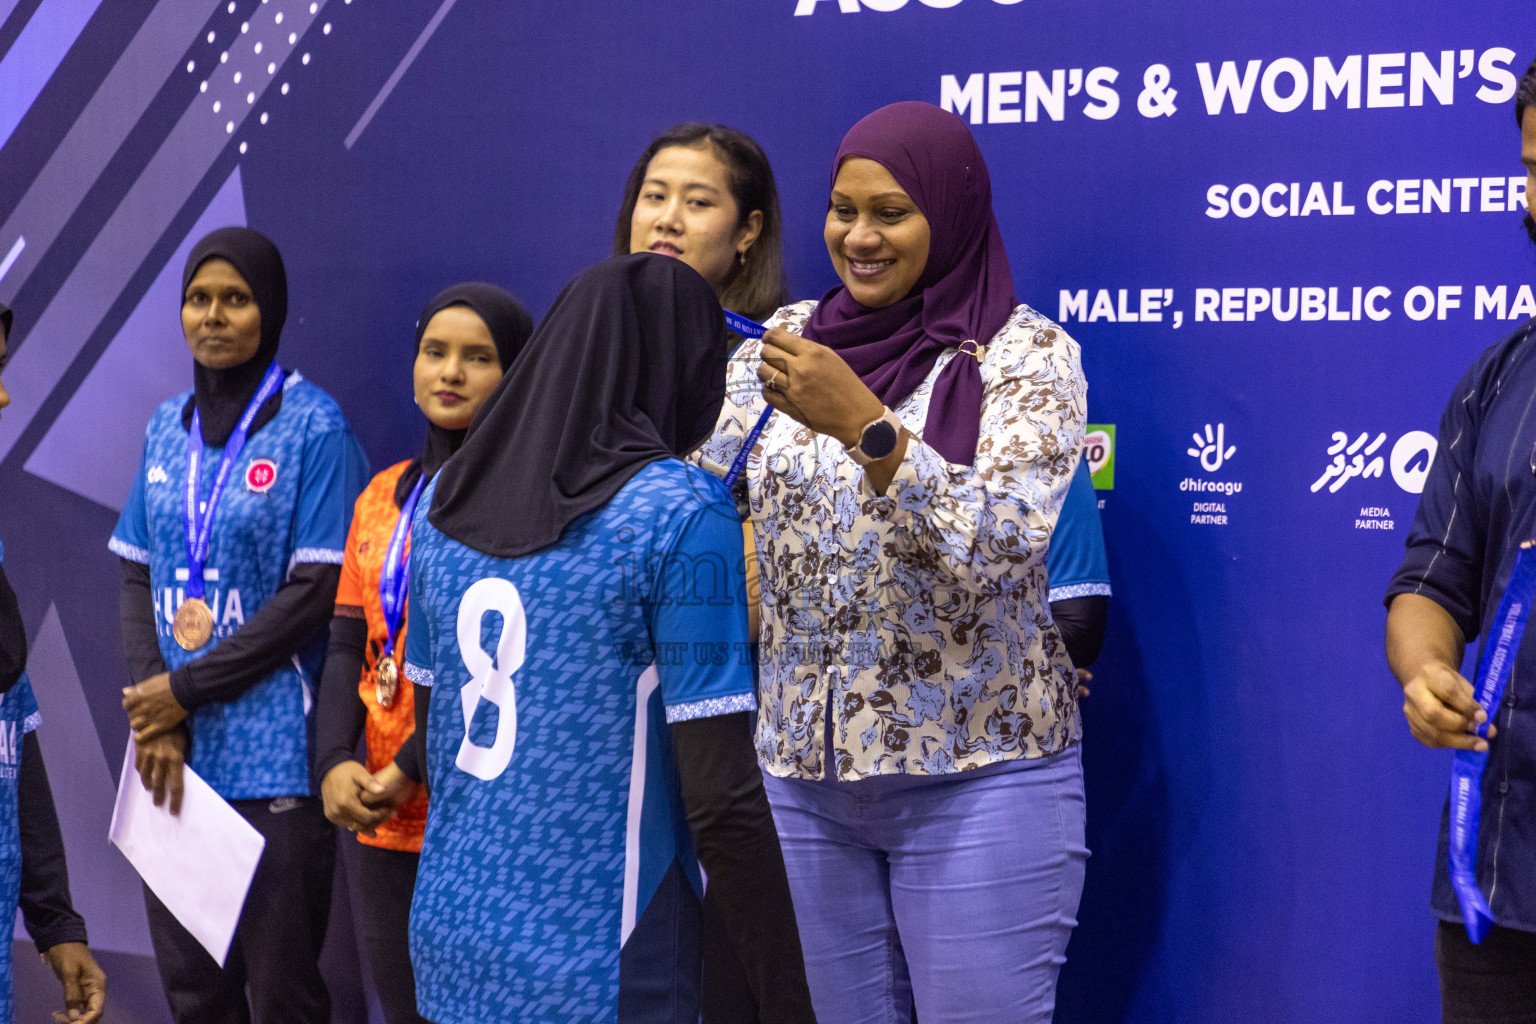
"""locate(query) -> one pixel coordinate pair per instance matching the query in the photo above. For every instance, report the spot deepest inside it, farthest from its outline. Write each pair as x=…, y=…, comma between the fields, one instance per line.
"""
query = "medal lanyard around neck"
x=1493, y=672
x=747, y=329
x=395, y=579
x=197, y=528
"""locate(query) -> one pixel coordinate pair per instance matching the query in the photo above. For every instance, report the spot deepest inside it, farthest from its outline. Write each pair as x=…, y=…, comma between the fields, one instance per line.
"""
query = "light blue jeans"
x=959, y=892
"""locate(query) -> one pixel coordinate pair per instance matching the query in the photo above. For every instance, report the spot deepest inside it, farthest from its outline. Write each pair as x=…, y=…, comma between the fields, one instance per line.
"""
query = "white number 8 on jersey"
x=491, y=680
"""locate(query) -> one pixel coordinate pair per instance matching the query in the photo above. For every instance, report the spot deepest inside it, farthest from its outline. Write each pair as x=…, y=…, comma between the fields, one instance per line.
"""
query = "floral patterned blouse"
x=917, y=619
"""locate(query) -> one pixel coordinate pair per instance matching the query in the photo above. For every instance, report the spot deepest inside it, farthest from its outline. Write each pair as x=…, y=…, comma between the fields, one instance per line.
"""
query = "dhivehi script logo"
x=1364, y=456
x=1360, y=456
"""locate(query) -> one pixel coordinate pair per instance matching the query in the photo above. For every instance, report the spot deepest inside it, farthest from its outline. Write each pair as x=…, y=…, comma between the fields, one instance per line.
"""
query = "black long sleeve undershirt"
x=409, y=758
x=414, y=763
x=274, y=633
x=45, y=903
x=735, y=840
x=1081, y=621
x=136, y=618
x=340, y=714
x=13, y=636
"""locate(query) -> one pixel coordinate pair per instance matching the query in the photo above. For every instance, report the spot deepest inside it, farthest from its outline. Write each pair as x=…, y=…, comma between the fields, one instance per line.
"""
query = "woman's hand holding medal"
x=152, y=708
x=813, y=385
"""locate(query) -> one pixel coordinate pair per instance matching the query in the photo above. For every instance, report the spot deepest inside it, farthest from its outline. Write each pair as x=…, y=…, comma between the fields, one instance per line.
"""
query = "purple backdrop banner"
x=1279, y=231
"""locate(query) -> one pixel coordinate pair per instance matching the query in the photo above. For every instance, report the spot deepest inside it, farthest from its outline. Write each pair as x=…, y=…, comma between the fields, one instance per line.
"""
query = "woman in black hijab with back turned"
x=577, y=627
x=466, y=338
x=227, y=588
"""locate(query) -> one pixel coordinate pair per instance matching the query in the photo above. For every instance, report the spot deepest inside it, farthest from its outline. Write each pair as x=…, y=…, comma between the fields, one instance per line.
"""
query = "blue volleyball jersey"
x=288, y=501
x=558, y=880
x=1077, y=563
x=18, y=716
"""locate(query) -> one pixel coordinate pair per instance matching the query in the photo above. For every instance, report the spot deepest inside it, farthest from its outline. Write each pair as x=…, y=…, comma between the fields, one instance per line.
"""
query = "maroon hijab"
x=964, y=294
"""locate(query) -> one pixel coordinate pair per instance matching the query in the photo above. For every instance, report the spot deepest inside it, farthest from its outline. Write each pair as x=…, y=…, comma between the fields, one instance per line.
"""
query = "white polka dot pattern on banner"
x=266, y=40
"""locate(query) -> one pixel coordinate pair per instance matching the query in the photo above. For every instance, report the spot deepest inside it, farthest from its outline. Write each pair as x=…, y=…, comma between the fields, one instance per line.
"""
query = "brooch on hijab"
x=979, y=351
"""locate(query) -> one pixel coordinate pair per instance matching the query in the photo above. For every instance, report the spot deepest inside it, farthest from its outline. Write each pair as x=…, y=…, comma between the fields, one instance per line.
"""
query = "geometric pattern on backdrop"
x=94, y=445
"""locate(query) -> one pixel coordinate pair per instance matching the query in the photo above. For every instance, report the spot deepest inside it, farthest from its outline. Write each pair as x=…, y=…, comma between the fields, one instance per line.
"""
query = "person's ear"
x=746, y=235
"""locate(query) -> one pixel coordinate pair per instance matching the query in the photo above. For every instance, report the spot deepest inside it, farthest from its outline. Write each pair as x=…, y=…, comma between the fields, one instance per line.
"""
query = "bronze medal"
x=193, y=625
x=386, y=681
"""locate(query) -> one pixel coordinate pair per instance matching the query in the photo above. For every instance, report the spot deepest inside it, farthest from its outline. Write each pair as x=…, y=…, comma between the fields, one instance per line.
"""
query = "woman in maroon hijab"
x=919, y=723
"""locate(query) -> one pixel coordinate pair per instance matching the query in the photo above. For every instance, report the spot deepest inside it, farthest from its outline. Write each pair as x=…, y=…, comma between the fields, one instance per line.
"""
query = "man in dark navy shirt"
x=1478, y=505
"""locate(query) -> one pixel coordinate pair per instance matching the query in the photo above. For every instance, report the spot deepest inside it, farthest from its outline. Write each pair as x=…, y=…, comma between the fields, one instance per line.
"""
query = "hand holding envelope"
x=199, y=863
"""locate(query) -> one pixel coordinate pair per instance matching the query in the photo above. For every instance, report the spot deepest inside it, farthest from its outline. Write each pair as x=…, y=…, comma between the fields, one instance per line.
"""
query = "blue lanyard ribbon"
x=747, y=329
x=744, y=327
x=395, y=580
x=1467, y=769
x=197, y=528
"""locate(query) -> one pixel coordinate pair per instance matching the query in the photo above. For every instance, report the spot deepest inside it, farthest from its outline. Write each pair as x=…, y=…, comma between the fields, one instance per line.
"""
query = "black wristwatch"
x=877, y=440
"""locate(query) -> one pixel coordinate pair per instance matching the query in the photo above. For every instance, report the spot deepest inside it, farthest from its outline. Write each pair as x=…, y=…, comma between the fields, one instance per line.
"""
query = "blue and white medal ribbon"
x=193, y=624
x=747, y=329
x=394, y=582
x=743, y=326
x=1467, y=769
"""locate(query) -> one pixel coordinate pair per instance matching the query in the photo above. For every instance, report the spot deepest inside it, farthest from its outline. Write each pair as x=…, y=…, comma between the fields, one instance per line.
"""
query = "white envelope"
x=199, y=863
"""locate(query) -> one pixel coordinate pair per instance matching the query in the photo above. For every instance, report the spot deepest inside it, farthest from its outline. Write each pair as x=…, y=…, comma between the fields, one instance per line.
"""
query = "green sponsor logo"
x=1099, y=450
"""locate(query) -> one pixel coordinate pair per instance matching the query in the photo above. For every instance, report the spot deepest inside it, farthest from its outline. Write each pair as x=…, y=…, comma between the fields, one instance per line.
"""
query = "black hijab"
x=13, y=634
x=510, y=325
x=220, y=396
x=628, y=367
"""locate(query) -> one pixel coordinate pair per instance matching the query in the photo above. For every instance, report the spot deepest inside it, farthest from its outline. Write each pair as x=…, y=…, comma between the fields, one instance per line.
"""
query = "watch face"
x=879, y=440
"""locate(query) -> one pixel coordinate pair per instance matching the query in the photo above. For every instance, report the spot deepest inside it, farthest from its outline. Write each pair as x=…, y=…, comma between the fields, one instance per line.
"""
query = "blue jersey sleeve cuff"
x=418, y=675
x=1070, y=591
x=710, y=708
x=31, y=722
x=122, y=549
x=329, y=556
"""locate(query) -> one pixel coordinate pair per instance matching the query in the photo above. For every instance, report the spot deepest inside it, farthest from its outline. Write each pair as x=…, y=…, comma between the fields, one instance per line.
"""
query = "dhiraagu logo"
x=1099, y=450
